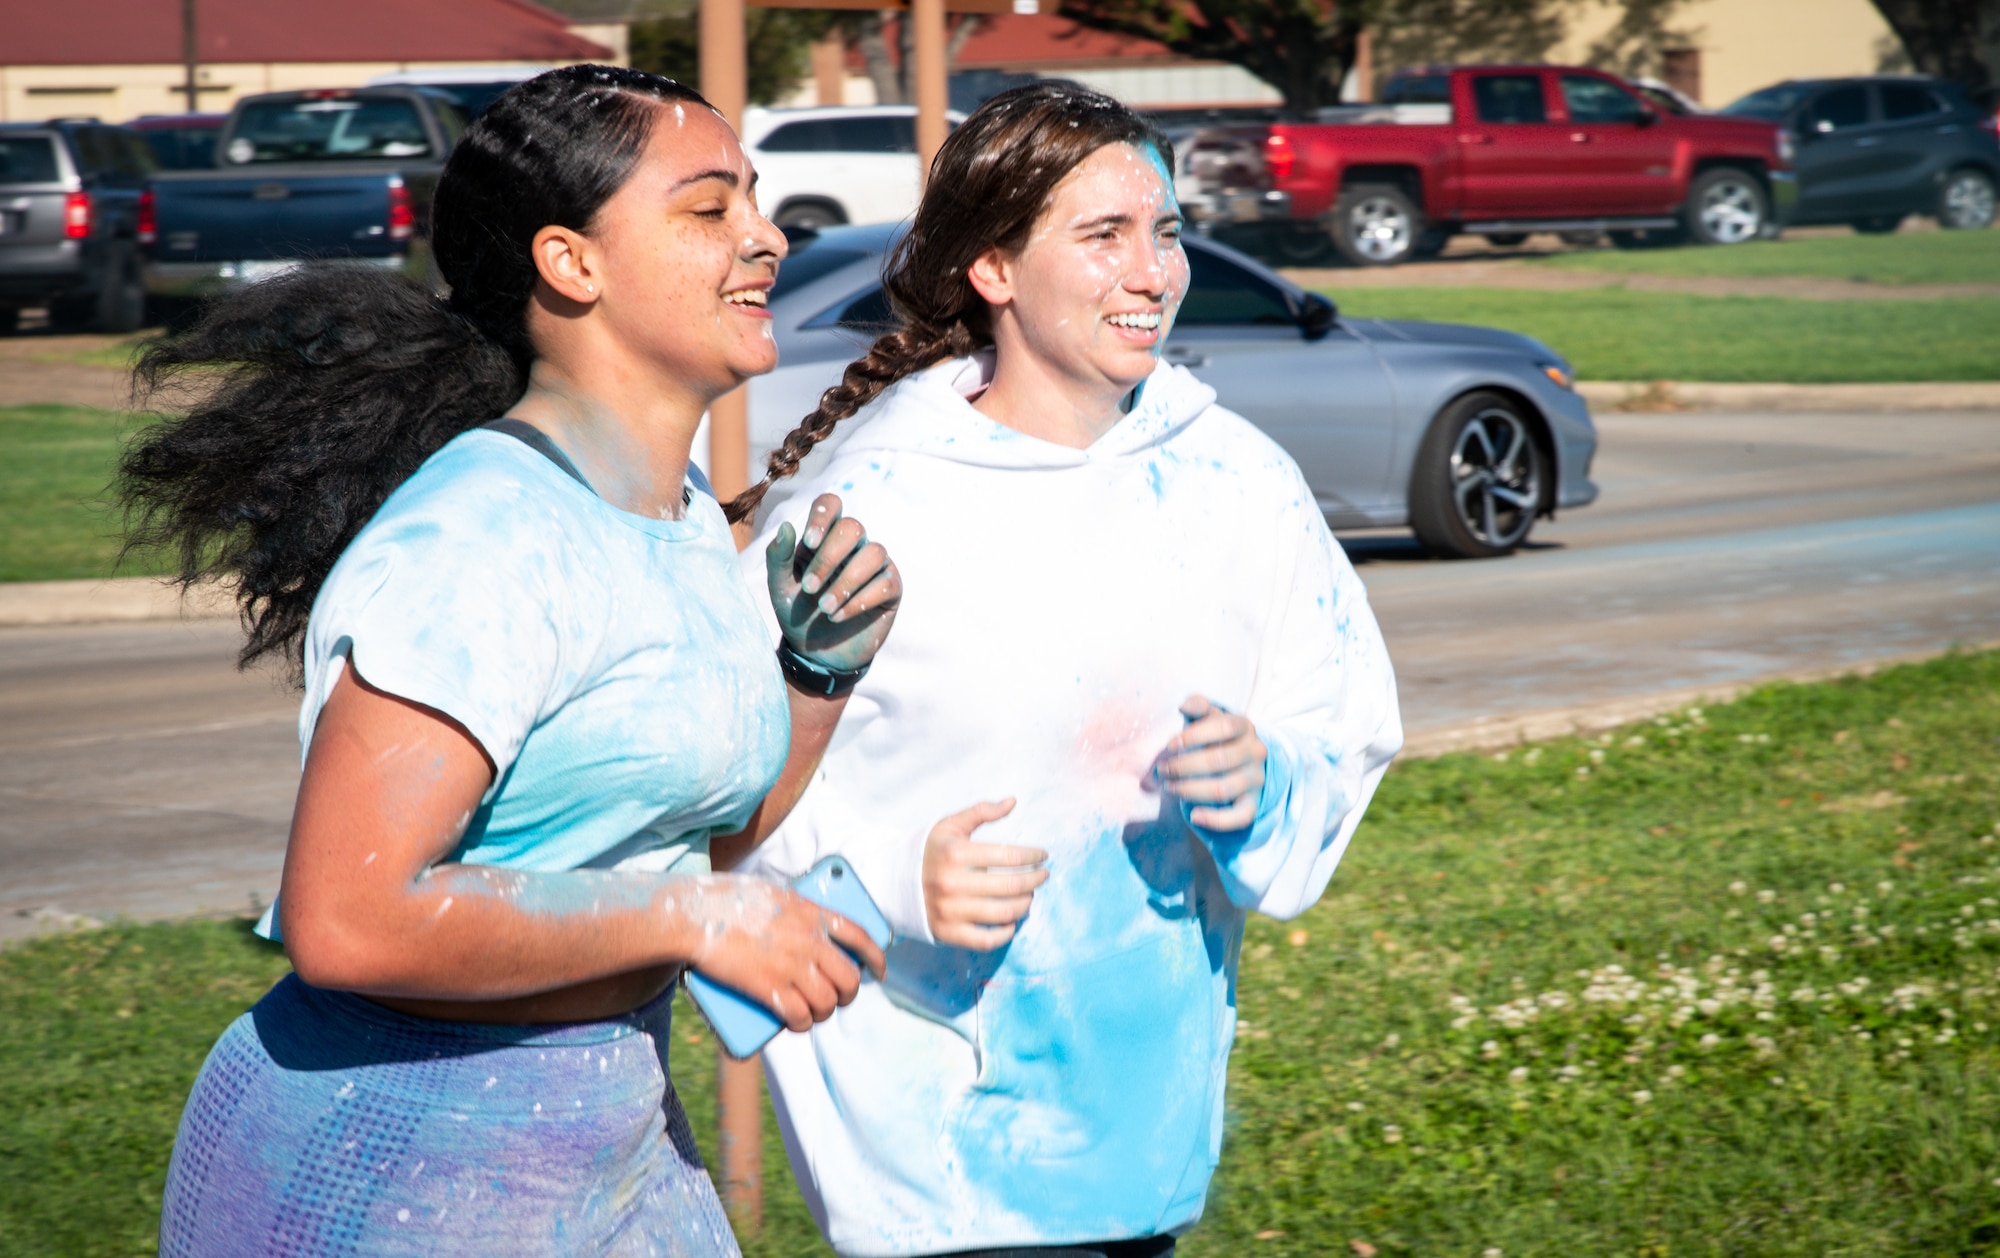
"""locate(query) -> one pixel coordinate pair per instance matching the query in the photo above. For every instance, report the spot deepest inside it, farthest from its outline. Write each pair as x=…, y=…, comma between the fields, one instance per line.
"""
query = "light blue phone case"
x=743, y=1025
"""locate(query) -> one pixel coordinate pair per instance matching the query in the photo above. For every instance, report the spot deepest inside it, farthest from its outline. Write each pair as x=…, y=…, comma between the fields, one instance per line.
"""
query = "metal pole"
x=932, y=86
x=739, y=1095
x=190, y=57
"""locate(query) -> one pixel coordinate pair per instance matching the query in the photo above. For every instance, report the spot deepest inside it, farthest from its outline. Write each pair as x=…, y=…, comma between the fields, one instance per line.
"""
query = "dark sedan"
x=1873, y=151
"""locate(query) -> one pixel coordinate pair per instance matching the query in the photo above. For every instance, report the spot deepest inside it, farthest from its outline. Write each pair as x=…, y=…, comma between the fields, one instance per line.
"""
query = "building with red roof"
x=117, y=59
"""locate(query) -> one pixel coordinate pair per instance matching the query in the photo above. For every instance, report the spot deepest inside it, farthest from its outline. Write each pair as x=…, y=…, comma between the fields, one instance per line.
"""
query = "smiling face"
x=1092, y=293
x=684, y=260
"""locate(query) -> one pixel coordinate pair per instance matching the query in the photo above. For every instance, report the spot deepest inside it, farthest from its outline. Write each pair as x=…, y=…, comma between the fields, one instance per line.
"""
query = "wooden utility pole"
x=725, y=77
x=933, y=79
x=190, y=57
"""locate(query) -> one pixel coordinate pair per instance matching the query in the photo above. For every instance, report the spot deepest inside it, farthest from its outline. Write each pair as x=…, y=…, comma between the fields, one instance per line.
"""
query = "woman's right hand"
x=975, y=894
x=778, y=948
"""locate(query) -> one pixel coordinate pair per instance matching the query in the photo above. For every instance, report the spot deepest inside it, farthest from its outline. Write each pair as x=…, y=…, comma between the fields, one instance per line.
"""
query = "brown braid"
x=988, y=186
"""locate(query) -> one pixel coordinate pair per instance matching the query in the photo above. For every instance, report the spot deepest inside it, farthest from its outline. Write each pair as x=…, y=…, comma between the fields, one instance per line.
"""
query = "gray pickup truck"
x=339, y=173
x=73, y=220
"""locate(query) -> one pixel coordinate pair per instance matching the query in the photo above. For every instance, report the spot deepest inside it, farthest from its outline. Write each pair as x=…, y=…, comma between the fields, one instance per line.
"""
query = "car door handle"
x=1186, y=357
x=1579, y=137
x=1475, y=139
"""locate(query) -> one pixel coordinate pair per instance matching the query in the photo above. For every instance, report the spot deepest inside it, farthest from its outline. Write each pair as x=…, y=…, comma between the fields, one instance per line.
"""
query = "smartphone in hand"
x=744, y=1025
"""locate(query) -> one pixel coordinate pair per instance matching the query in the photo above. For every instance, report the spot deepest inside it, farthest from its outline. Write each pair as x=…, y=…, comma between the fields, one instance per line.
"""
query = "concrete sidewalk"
x=1687, y=395
x=97, y=602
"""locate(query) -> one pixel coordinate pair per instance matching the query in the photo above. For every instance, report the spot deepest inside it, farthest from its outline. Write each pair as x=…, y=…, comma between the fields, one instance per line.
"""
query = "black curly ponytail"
x=988, y=186
x=336, y=382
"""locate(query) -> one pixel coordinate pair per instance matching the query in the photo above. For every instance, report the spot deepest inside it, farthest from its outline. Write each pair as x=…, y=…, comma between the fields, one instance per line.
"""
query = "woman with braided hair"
x=534, y=689
x=1195, y=737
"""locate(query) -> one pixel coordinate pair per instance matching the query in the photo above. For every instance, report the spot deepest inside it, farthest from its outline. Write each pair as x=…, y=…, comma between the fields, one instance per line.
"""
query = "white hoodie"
x=1060, y=606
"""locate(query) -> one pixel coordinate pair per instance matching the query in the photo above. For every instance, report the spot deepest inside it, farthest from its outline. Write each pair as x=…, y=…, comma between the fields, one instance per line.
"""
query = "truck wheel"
x=1726, y=206
x=810, y=216
x=121, y=301
x=1966, y=204
x=1477, y=484
x=1880, y=225
x=1376, y=224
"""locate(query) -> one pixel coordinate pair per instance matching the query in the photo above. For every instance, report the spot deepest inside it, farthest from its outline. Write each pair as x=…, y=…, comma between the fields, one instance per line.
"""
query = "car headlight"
x=1560, y=373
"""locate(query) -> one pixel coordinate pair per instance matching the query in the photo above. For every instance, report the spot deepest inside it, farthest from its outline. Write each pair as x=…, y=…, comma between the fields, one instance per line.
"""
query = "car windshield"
x=1770, y=104
x=27, y=159
x=315, y=130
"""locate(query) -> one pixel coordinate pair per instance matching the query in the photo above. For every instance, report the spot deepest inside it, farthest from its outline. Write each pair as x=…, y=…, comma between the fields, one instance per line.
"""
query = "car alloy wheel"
x=1494, y=480
x=1730, y=209
x=1476, y=486
x=1967, y=202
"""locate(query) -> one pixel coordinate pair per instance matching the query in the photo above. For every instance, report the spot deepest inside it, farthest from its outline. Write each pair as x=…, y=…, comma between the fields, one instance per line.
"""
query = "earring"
x=590, y=288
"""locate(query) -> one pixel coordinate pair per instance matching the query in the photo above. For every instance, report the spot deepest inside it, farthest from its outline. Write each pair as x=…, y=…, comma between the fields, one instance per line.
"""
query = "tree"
x=888, y=48
x=778, y=43
x=1952, y=39
x=1304, y=48
x=1300, y=47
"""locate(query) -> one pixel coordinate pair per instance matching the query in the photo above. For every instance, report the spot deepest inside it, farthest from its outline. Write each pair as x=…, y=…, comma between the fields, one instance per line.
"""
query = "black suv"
x=74, y=211
x=1872, y=151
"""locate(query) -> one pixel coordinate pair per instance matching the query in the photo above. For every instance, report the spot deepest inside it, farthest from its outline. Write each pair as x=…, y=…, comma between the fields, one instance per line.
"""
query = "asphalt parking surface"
x=140, y=774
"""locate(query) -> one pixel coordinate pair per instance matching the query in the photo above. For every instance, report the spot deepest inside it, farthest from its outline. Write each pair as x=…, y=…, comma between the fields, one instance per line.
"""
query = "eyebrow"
x=1122, y=220
x=727, y=176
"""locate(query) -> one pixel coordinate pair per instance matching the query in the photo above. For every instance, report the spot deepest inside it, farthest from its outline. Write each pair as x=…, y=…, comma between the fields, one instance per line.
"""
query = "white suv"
x=840, y=164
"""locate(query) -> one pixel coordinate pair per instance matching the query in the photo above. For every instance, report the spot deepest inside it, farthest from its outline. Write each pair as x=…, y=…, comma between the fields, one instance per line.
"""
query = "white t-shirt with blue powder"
x=613, y=666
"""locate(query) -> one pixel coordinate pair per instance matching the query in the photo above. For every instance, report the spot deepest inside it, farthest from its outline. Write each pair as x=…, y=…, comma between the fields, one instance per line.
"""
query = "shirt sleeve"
x=1324, y=703
x=458, y=601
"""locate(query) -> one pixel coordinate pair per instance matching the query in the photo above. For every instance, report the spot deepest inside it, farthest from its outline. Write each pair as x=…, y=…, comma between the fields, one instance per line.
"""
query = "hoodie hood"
x=931, y=413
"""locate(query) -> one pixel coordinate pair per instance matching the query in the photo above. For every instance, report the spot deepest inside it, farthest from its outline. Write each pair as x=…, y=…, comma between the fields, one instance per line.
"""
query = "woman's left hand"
x=835, y=591
x=1217, y=764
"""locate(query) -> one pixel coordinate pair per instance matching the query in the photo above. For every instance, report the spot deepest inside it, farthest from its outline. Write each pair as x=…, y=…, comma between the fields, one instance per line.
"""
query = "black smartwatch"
x=814, y=678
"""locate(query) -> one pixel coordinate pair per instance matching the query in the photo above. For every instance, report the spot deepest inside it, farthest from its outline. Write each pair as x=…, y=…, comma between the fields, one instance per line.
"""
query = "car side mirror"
x=1645, y=119
x=1317, y=316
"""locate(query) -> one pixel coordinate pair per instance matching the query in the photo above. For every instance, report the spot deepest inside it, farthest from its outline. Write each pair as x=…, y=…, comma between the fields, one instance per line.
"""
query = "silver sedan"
x=1466, y=435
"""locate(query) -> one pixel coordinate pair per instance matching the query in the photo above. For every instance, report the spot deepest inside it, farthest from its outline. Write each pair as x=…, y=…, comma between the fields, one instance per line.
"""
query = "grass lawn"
x=56, y=520
x=1722, y=983
x=1917, y=258
x=1613, y=334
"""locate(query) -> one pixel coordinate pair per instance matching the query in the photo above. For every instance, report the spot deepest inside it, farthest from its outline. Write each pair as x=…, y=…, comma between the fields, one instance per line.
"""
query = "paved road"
x=140, y=774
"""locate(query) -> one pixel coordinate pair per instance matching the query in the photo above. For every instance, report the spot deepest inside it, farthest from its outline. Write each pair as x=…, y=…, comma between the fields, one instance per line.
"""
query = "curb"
x=1495, y=733
x=120, y=599
x=1635, y=396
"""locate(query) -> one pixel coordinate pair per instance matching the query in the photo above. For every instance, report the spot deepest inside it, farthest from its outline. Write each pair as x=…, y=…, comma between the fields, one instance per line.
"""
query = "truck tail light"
x=149, y=219
x=402, y=215
x=77, y=214
x=1279, y=156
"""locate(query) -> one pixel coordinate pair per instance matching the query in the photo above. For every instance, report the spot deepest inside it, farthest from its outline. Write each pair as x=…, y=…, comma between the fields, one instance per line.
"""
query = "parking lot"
x=141, y=775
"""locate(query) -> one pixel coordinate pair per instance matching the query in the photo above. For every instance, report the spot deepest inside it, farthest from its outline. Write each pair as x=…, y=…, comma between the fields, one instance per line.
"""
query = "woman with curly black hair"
x=534, y=688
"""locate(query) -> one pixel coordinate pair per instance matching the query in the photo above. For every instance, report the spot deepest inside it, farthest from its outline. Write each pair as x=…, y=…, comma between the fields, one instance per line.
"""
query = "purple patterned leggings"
x=325, y=1124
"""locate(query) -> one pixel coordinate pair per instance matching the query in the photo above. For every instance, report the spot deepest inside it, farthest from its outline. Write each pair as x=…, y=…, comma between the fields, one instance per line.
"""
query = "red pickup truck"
x=1499, y=151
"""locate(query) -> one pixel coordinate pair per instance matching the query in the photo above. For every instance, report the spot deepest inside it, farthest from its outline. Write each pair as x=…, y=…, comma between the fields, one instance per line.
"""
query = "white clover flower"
x=1836, y=888
x=1356, y=1106
x=1676, y=1071
x=1885, y=887
x=1518, y=1074
x=1739, y=887
x=1490, y=1048
x=1766, y=896
x=1392, y=1134
x=1596, y=755
x=1642, y=1097
x=1710, y=1040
